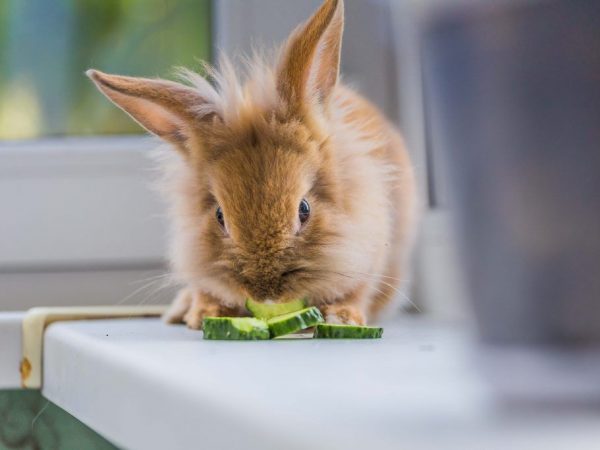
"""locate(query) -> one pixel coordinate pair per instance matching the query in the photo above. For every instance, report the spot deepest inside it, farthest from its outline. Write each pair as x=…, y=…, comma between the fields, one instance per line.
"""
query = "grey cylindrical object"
x=514, y=102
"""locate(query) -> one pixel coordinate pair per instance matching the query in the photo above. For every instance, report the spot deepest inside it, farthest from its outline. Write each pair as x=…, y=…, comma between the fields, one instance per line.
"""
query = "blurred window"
x=46, y=45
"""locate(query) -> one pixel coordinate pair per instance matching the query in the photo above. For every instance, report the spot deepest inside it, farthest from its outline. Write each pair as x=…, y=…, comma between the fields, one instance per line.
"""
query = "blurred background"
x=499, y=102
x=81, y=224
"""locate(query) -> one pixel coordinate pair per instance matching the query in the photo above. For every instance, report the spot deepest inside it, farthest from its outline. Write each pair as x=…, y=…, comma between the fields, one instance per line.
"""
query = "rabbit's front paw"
x=344, y=314
x=179, y=307
x=196, y=314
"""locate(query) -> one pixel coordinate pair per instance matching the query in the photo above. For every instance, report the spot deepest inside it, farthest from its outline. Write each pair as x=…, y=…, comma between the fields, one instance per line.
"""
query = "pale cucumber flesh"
x=268, y=310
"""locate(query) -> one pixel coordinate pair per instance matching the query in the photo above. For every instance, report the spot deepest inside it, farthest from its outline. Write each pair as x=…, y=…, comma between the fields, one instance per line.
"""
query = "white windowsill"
x=145, y=385
x=53, y=156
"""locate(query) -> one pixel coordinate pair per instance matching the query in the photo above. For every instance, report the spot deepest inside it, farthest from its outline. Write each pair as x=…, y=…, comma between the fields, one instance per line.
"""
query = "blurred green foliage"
x=45, y=47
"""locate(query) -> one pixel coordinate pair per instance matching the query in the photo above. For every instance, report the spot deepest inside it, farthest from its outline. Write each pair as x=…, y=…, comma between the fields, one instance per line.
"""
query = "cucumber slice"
x=295, y=321
x=332, y=331
x=235, y=329
x=269, y=310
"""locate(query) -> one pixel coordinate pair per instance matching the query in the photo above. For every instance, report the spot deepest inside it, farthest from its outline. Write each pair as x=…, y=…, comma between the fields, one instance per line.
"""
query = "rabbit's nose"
x=262, y=291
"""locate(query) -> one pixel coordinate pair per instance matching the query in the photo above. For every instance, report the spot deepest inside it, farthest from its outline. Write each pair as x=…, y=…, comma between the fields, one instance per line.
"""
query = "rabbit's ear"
x=165, y=108
x=310, y=63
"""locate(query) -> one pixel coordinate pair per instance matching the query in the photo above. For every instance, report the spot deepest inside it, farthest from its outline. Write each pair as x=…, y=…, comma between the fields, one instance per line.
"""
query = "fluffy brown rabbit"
x=285, y=184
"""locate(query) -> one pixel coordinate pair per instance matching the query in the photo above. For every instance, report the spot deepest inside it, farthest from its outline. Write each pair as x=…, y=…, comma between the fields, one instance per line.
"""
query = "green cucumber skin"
x=223, y=328
x=332, y=331
x=267, y=311
x=293, y=322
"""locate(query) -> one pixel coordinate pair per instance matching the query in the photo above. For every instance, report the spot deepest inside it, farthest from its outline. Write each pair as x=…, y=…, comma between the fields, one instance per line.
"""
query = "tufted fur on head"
x=252, y=147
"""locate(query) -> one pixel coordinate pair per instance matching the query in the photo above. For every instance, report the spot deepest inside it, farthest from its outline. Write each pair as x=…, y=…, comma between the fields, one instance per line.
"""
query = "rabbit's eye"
x=220, y=217
x=303, y=211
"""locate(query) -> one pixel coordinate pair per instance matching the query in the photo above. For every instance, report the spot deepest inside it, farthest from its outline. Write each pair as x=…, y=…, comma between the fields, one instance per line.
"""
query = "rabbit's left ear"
x=169, y=110
x=310, y=64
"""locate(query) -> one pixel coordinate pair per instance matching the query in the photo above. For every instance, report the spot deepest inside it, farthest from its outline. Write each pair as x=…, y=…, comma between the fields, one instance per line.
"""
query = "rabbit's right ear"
x=167, y=109
x=310, y=64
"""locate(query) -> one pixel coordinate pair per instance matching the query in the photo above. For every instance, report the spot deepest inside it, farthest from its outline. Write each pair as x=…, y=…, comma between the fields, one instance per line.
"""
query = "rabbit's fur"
x=257, y=147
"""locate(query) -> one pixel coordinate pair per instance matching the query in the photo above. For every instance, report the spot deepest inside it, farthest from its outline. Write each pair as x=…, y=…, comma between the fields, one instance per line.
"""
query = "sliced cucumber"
x=268, y=310
x=333, y=331
x=295, y=321
x=235, y=328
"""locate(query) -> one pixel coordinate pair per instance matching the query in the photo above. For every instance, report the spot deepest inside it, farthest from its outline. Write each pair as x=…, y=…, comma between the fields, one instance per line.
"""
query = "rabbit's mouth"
x=278, y=288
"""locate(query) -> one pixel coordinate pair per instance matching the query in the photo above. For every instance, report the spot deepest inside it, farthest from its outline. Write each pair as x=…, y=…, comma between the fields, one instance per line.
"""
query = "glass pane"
x=45, y=47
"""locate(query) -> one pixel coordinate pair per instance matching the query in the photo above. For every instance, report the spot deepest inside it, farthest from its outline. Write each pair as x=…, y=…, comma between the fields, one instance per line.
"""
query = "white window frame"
x=54, y=178
x=80, y=223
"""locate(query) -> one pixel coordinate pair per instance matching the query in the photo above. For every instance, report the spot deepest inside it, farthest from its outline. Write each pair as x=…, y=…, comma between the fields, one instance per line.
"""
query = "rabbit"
x=283, y=183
